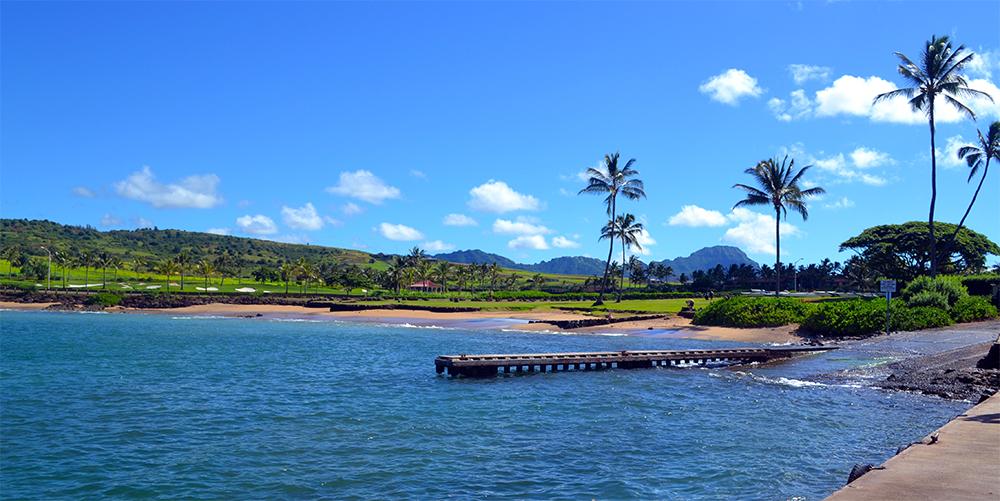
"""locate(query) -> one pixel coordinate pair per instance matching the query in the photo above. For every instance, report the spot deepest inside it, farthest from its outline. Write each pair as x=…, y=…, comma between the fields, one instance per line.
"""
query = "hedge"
x=973, y=308
x=742, y=311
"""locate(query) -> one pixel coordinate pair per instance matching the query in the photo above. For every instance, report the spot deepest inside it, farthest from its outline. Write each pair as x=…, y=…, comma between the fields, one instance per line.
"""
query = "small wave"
x=306, y=320
x=93, y=313
x=405, y=325
x=198, y=317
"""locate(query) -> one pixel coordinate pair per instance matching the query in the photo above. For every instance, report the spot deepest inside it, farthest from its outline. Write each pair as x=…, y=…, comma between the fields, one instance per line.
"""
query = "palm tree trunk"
x=930, y=217
x=86, y=277
x=777, y=252
x=974, y=195
x=621, y=284
x=607, y=264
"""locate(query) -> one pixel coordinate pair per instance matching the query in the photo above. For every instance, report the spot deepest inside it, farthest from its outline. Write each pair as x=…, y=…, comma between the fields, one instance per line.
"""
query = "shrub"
x=973, y=308
x=740, y=311
x=104, y=299
x=929, y=298
x=856, y=317
x=948, y=286
x=921, y=317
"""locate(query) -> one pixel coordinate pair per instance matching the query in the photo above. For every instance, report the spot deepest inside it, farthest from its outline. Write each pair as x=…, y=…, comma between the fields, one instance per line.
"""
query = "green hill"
x=157, y=244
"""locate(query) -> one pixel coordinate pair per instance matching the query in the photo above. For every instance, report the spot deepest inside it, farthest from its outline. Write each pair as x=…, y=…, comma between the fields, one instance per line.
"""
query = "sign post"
x=888, y=287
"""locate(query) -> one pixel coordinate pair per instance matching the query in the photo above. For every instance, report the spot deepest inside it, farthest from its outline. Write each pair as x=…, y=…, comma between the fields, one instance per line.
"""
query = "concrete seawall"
x=963, y=463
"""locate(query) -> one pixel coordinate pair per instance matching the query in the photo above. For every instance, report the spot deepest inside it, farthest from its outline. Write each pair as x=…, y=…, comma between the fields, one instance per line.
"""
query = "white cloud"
x=363, y=185
x=755, y=232
x=496, y=196
x=519, y=227
x=454, y=219
x=302, y=218
x=803, y=73
x=797, y=106
x=866, y=158
x=196, y=192
x=351, y=209
x=561, y=242
x=983, y=64
x=853, y=95
x=399, y=232
x=141, y=222
x=437, y=246
x=257, y=225
x=841, y=203
x=694, y=216
x=646, y=241
x=108, y=220
x=218, y=231
x=949, y=157
x=419, y=174
x=535, y=242
x=730, y=86
x=83, y=192
x=872, y=180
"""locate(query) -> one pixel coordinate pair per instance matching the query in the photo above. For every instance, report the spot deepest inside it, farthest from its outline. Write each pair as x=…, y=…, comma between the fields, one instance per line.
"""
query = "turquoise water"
x=156, y=406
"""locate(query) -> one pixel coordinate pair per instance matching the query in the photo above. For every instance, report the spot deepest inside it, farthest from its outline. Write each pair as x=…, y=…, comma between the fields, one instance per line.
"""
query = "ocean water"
x=132, y=406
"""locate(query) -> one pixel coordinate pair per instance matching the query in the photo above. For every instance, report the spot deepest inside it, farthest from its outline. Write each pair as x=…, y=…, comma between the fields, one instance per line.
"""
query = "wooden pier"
x=491, y=365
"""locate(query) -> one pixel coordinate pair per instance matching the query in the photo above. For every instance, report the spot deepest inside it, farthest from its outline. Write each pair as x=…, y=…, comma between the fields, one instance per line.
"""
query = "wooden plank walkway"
x=491, y=365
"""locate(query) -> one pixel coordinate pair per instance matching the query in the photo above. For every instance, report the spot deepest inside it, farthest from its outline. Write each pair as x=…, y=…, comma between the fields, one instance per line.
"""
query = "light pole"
x=48, y=276
x=795, y=275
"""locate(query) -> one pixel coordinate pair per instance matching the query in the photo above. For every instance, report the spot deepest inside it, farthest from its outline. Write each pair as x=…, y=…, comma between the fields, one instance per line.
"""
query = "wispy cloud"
x=399, y=232
x=257, y=224
x=196, y=192
x=363, y=185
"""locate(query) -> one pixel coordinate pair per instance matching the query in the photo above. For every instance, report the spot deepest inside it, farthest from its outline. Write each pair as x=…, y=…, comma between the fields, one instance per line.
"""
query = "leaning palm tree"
x=938, y=74
x=611, y=181
x=779, y=188
x=979, y=156
x=626, y=229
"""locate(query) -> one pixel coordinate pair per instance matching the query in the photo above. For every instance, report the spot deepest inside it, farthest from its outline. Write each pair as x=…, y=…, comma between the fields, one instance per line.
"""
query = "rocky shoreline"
x=964, y=373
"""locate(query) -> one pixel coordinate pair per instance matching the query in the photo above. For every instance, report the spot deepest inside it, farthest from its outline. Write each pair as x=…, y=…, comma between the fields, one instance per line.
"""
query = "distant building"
x=424, y=286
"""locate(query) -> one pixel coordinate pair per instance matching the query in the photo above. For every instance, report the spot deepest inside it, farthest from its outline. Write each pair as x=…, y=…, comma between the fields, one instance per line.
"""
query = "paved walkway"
x=964, y=464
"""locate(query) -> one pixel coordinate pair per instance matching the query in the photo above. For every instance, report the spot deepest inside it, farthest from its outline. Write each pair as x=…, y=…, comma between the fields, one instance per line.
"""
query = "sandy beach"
x=681, y=326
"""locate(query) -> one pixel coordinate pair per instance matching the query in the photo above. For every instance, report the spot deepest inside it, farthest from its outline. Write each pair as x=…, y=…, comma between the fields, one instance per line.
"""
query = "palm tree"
x=103, y=260
x=306, y=271
x=395, y=272
x=612, y=181
x=87, y=260
x=938, y=74
x=66, y=261
x=183, y=261
x=442, y=272
x=169, y=267
x=979, y=156
x=11, y=254
x=287, y=269
x=494, y=275
x=206, y=269
x=626, y=229
x=779, y=188
x=416, y=256
x=635, y=269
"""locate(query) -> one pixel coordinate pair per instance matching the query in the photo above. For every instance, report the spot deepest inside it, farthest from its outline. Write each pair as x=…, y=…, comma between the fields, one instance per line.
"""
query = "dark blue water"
x=153, y=406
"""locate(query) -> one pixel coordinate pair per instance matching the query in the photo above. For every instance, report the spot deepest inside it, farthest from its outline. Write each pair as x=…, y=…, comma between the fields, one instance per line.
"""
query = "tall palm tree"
x=611, y=181
x=287, y=269
x=416, y=256
x=442, y=272
x=169, y=267
x=103, y=261
x=206, y=269
x=66, y=261
x=779, y=188
x=183, y=260
x=87, y=260
x=938, y=74
x=626, y=229
x=395, y=272
x=979, y=156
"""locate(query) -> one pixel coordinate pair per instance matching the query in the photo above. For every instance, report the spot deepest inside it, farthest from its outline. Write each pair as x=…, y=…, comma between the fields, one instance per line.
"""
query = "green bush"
x=863, y=317
x=929, y=298
x=856, y=317
x=104, y=299
x=921, y=317
x=973, y=308
x=741, y=311
x=950, y=287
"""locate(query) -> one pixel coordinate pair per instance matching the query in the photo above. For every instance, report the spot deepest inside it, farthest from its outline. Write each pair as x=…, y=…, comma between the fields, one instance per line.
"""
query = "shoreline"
x=673, y=325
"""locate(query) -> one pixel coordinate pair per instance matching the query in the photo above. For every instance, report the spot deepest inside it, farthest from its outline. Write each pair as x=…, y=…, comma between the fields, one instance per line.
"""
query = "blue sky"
x=454, y=125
